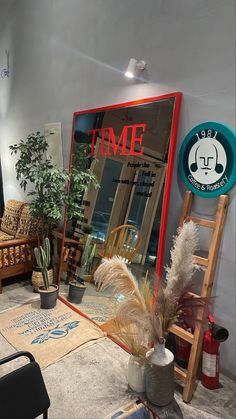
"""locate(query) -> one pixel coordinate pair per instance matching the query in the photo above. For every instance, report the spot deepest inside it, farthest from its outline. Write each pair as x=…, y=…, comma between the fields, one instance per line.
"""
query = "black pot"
x=76, y=292
x=48, y=297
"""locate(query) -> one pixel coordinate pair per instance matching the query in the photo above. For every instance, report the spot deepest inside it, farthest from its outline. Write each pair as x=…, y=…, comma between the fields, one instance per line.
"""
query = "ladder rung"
x=180, y=374
x=182, y=333
x=192, y=294
x=202, y=221
x=201, y=261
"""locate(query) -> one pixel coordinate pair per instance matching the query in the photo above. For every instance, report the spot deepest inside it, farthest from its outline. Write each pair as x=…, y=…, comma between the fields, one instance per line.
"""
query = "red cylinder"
x=182, y=347
x=210, y=361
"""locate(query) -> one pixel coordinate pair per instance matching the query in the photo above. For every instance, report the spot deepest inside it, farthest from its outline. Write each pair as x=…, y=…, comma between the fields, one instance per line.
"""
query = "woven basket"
x=37, y=278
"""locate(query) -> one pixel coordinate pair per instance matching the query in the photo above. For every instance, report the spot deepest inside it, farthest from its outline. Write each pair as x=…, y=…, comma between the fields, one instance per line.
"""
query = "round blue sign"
x=207, y=159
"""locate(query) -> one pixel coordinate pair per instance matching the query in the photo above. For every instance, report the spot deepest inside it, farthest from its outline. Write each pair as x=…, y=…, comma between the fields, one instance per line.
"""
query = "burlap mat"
x=99, y=309
x=47, y=334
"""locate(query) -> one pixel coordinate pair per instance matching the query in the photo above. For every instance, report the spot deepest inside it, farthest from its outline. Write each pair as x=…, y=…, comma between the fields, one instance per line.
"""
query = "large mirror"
x=121, y=162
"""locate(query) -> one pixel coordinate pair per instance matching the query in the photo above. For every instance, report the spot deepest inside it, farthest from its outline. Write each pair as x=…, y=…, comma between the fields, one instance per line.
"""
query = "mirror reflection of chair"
x=71, y=252
x=23, y=392
x=123, y=241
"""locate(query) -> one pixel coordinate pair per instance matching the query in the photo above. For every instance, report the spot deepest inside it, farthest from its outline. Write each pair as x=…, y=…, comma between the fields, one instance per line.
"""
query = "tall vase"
x=136, y=369
x=159, y=375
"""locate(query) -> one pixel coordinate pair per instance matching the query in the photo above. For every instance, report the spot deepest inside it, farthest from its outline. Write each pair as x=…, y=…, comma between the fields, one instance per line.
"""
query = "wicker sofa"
x=17, y=240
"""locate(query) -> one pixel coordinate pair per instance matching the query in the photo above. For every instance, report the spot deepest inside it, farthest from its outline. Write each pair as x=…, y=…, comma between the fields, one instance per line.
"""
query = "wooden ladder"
x=188, y=377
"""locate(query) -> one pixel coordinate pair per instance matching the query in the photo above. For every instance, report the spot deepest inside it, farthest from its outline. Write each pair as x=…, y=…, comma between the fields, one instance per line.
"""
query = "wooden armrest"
x=67, y=240
x=58, y=235
x=17, y=242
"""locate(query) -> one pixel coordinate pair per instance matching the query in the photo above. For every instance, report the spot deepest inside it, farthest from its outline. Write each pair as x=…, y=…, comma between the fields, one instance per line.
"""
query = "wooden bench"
x=16, y=241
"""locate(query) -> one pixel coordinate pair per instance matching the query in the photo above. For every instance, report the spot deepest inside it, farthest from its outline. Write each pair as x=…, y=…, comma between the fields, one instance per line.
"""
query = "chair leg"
x=45, y=415
x=0, y=286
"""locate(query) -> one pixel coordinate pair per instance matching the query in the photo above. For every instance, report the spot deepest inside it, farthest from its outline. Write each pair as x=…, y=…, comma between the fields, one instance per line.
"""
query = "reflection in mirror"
x=122, y=157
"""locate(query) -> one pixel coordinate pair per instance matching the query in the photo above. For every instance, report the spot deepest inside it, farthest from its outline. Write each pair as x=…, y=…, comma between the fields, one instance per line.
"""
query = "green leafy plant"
x=47, y=185
x=43, y=259
x=81, y=178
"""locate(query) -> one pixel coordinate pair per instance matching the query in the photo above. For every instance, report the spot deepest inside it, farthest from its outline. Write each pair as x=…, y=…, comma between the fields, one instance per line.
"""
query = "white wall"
x=68, y=55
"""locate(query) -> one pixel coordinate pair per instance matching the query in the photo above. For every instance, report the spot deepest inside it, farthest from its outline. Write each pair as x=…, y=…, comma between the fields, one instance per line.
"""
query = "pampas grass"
x=129, y=335
x=136, y=307
x=138, y=311
x=113, y=273
x=180, y=273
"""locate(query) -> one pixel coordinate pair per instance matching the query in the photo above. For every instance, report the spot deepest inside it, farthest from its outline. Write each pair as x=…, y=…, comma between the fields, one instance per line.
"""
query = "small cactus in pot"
x=43, y=259
x=48, y=292
x=77, y=286
x=87, y=256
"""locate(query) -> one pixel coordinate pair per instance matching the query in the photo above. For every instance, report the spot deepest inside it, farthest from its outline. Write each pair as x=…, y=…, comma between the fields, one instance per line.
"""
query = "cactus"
x=87, y=256
x=43, y=258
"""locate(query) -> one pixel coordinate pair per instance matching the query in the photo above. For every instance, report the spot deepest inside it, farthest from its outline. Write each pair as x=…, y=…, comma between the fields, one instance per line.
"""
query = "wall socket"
x=53, y=135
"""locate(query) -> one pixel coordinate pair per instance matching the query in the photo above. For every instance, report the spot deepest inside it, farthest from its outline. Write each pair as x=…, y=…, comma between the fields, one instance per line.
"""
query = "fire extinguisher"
x=211, y=353
x=182, y=347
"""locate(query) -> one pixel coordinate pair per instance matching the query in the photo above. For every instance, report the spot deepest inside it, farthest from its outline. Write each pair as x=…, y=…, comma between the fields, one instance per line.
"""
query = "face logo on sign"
x=207, y=159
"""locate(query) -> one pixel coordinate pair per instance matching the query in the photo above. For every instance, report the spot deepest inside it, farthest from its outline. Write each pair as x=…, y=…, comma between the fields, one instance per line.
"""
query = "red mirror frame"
x=167, y=189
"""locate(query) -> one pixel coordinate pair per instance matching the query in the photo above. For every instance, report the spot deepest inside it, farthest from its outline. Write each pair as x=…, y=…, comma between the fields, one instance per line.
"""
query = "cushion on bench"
x=5, y=237
x=11, y=216
x=26, y=226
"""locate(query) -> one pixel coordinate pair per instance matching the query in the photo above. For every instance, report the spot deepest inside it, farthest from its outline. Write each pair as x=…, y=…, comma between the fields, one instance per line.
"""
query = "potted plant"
x=77, y=286
x=47, y=185
x=48, y=292
x=37, y=278
x=153, y=318
x=133, y=338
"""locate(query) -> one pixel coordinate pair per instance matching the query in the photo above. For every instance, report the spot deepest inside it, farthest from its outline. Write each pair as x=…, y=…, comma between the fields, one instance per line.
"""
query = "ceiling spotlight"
x=135, y=67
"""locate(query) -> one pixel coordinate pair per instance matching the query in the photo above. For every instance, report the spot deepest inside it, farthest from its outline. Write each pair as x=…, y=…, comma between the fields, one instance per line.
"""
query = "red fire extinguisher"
x=211, y=353
x=182, y=347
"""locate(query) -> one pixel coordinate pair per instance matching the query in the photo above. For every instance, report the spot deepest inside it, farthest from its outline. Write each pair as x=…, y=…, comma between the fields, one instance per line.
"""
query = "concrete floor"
x=92, y=383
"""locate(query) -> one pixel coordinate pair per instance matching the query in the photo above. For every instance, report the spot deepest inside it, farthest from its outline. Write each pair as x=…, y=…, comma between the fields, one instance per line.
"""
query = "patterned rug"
x=47, y=334
x=99, y=309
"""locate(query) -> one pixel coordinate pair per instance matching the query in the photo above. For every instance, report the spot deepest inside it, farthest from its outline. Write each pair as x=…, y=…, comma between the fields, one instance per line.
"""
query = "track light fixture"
x=135, y=68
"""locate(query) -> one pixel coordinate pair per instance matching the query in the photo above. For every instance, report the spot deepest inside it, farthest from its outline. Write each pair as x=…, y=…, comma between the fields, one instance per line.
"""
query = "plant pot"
x=136, y=368
x=48, y=297
x=37, y=278
x=159, y=375
x=76, y=292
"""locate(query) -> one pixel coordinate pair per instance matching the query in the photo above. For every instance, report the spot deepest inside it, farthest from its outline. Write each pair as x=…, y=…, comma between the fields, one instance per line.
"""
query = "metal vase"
x=159, y=375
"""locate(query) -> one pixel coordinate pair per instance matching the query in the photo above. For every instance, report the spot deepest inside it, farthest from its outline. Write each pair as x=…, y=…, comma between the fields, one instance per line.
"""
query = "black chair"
x=23, y=394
